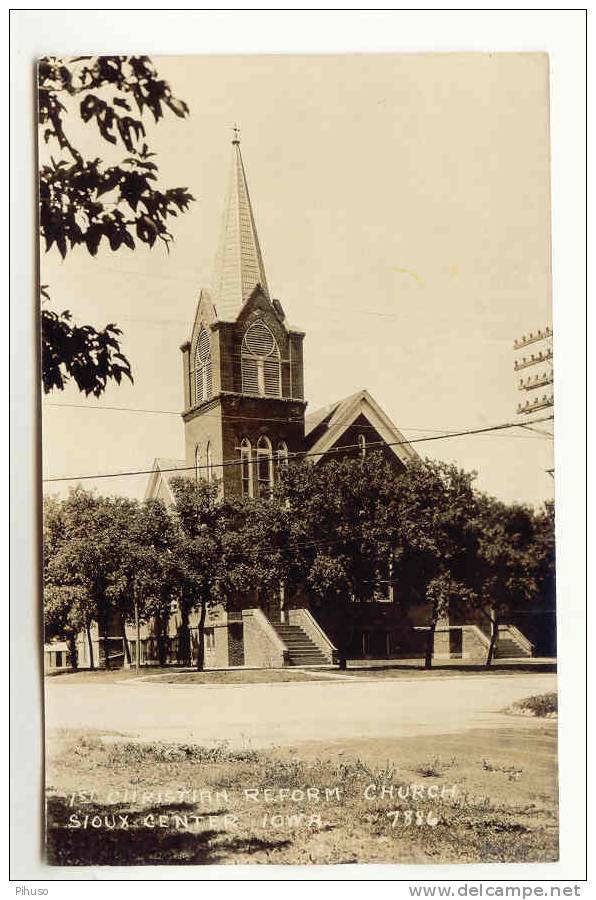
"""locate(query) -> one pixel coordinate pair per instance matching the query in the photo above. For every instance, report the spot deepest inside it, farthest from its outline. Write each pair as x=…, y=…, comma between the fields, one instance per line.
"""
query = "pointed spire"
x=239, y=266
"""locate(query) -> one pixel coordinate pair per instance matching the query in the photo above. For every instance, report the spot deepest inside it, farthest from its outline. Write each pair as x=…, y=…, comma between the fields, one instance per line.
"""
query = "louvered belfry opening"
x=261, y=363
x=203, y=368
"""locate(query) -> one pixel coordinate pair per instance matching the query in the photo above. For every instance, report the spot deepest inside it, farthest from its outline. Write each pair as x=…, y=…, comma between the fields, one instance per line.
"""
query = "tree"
x=343, y=530
x=83, y=202
x=358, y=525
x=544, y=632
x=84, y=561
x=507, y=576
x=207, y=552
x=64, y=605
x=436, y=504
x=81, y=352
x=147, y=581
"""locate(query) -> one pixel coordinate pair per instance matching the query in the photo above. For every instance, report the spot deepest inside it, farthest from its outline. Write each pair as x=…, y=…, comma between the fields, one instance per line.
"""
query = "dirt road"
x=260, y=715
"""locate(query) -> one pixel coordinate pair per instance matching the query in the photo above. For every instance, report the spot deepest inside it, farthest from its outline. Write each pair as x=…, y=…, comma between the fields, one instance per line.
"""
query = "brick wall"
x=261, y=649
x=251, y=417
x=473, y=646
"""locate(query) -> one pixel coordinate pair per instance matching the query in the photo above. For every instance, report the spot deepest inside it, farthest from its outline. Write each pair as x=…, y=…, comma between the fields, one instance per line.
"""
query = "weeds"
x=541, y=705
x=513, y=772
x=434, y=768
x=127, y=753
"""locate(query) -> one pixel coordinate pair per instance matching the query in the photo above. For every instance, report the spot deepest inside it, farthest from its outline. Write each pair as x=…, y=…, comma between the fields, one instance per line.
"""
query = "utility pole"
x=534, y=353
x=534, y=360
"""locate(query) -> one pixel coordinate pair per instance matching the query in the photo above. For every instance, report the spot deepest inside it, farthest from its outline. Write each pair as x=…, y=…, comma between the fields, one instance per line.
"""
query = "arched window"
x=282, y=455
x=209, y=463
x=203, y=368
x=264, y=466
x=246, y=467
x=362, y=445
x=261, y=365
x=197, y=463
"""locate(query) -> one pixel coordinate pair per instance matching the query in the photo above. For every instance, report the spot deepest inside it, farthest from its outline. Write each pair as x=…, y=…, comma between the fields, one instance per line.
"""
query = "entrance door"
x=456, y=642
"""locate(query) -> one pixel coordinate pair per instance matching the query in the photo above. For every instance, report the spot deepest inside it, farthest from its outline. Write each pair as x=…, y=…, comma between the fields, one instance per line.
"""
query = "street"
x=261, y=715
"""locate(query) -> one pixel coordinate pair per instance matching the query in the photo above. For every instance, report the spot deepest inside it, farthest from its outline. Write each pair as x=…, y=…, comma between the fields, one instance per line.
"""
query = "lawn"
x=101, y=676
x=482, y=796
x=172, y=675
x=403, y=669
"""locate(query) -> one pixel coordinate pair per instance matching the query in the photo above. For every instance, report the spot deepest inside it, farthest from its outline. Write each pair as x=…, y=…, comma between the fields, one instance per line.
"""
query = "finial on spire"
x=239, y=267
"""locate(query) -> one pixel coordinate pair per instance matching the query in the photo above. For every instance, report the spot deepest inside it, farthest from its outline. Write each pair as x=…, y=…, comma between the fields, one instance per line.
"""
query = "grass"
x=364, y=800
x=184, y=676
x=237, y=676
x=407, y=669
x=541, y=705
x=102, y=676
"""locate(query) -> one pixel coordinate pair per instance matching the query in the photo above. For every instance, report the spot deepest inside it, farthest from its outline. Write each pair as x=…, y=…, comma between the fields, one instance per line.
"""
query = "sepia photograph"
x=298, y=478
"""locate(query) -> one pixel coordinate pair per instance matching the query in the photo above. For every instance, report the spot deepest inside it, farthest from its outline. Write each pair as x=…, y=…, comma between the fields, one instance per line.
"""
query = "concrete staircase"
x=512, y=644
x=301, y=650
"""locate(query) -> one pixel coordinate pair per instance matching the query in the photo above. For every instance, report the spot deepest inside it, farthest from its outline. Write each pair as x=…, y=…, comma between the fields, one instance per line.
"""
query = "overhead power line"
x=299, y=455
x=177, y=413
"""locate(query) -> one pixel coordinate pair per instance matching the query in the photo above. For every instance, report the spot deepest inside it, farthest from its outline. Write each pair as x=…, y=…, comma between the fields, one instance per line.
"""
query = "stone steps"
x=507, y=648
x=302, y=651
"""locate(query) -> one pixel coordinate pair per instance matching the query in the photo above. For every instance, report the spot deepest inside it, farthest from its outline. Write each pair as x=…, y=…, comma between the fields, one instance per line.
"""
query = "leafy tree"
x=89, y=356
x=506, y=570
x=436, y=504
x=146, y=580
x=544, y=634
x=83, y=202
x=85, y=559
x=342, y=530
x=64, y=605
x=208, y=553
x=357, y=525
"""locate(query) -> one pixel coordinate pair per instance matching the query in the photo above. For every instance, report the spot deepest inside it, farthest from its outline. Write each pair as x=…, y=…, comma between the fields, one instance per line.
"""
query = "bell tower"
x=242, y=367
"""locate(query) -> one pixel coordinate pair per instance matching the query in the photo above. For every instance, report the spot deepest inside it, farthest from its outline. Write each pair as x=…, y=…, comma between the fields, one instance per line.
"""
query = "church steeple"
x=239, y=265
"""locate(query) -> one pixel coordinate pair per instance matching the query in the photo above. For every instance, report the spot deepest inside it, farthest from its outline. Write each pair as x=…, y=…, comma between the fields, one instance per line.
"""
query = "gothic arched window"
x=282, y=455
x=261, y=364
x=209, y=463
x=362, y=445
x=264, y=466
x=246, y=467
x=203, y=367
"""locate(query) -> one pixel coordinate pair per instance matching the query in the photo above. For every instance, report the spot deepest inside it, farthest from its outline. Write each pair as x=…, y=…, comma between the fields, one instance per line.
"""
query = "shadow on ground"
x=113, y=835
x=468, y=668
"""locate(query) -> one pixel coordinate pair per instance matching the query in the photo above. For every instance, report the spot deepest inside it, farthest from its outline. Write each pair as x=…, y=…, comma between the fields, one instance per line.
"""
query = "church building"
x=243, y=379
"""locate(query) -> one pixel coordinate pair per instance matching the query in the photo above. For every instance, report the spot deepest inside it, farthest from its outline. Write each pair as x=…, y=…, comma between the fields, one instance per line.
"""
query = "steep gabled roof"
x=239, y=266
x=164, y=469
x=324, y=427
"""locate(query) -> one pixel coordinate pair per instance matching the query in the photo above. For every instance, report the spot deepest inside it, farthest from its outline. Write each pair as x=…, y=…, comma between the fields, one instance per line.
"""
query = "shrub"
x=539, y=705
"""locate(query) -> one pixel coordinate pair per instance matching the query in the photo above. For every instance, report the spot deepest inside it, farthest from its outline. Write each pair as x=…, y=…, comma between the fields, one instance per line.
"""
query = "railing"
x=519, y=638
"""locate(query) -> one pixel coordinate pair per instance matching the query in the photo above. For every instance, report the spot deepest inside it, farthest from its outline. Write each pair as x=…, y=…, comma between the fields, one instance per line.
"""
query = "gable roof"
x=164, y=470
x=324, y=427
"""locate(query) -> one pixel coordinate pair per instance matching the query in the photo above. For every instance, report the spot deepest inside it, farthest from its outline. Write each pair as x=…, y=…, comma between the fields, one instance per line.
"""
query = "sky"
x=402, y=206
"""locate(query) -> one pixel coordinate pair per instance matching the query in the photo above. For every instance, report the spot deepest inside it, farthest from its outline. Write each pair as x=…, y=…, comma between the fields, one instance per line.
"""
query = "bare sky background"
x=402, y=204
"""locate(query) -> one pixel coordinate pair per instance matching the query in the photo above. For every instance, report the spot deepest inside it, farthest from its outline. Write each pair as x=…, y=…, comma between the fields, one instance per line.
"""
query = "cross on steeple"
x=236, y=131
